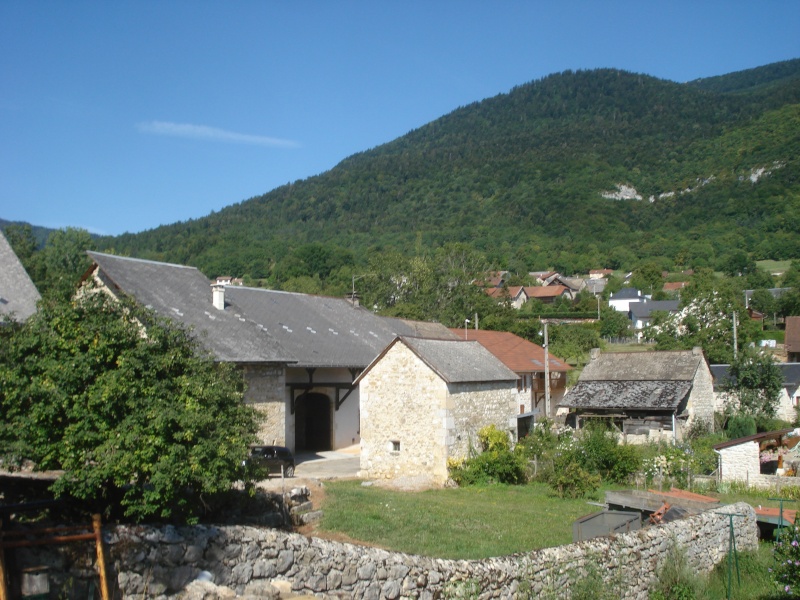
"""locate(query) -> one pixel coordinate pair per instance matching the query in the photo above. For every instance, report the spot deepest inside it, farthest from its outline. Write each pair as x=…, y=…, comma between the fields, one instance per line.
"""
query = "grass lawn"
x=774, y=266
x=473, y=522
x=481, y=522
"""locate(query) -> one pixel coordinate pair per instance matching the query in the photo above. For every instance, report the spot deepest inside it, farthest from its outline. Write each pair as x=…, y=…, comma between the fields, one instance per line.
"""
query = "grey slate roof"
x=627, y=395
x=635, y=381
x=184, y=294
x=596, y=286
x=626, y=294
x=790, y=371
x=674, y=365
x=18, y=294
x=320, y=331
x=643, y=310
x=456, y=361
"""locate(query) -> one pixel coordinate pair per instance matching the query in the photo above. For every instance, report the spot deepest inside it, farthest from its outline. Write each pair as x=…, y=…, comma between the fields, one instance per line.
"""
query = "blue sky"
x=122, y=116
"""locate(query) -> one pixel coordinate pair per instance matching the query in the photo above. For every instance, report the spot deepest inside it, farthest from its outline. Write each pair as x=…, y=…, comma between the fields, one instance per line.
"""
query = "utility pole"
x=734, y=336
x=546, y=373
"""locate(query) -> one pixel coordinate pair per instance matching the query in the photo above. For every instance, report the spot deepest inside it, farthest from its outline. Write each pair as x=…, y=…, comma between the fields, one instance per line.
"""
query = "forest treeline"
x=520, y=176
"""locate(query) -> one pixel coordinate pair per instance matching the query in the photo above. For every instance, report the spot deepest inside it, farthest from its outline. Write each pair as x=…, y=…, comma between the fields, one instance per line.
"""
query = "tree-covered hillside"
x=528, y=178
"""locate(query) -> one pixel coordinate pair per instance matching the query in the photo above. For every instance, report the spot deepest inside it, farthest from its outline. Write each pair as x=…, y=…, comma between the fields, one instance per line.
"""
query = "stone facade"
x=264, y=390
x=150, y=562
x=412, y=421
x=702, y=401
x=741, y=463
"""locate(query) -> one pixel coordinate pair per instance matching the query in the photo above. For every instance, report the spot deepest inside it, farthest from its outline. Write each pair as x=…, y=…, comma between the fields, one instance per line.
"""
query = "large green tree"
x=755, y=384
x=126, y=403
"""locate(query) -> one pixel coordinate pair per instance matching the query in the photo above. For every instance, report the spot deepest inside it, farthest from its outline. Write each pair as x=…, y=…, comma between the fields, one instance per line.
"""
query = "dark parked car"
x=270, y=459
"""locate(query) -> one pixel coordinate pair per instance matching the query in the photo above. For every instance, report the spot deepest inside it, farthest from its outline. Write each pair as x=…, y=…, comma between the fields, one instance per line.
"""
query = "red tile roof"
x=672, y=286
x=518, y=354
x=497, y=292
x=546, y=291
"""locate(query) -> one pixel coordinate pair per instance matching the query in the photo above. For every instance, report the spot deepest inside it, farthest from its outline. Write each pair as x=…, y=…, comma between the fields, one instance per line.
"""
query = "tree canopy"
x=126, y=403
x=755, y=383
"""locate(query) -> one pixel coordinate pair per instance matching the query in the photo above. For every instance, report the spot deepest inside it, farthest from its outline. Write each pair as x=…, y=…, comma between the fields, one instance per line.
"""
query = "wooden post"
x=101, y=557
x=3, y=586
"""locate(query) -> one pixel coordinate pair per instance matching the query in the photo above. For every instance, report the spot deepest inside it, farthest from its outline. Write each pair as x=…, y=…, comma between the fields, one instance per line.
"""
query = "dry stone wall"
x=152, y=562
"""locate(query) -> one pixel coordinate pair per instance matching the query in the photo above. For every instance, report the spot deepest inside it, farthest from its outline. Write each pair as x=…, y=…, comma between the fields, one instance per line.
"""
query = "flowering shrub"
x=674, y=462
x=787, y=557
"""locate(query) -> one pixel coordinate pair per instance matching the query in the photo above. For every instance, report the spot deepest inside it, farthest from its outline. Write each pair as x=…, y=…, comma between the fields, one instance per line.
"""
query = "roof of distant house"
x=790, y=372
x=627, y=293
x=673, y=286
x=18, y=294
x=643, y=310
x=546, y=291
x=498, y=292
x=518, y=354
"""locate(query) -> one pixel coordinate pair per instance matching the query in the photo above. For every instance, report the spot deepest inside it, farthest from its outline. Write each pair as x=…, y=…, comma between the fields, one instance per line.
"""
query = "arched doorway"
x=312, y=422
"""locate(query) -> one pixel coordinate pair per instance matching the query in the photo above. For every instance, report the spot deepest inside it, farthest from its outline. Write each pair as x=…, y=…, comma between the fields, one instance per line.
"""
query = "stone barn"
x=423, y=402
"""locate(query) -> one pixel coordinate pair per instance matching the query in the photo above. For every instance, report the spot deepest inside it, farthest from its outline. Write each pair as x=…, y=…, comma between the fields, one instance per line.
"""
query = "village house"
x=423, y=402
x=644, y=395
x=790, y=391
x=622, y=299
x=299, y=354
x=548, y=293
x=18, y=294
x=641, y=313
x=514, y=295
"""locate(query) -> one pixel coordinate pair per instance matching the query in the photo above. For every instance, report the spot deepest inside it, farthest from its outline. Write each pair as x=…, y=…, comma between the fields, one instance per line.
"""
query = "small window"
x=395, y=445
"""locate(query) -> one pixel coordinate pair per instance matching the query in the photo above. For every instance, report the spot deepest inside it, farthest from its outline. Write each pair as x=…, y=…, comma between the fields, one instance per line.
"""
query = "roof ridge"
x=93, y=253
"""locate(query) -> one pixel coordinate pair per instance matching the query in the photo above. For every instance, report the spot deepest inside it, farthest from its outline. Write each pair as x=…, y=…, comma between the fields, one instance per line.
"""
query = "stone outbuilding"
x=761, y=460
x=423, y=402
x=645, y=395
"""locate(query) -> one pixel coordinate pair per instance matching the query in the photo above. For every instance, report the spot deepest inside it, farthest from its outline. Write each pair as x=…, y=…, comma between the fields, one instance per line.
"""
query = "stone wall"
x=265, y=387
x=477, y=405
x=151, y=562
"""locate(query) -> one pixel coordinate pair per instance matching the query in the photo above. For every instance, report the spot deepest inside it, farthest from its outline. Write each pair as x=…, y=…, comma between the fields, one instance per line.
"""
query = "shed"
x=645, y=394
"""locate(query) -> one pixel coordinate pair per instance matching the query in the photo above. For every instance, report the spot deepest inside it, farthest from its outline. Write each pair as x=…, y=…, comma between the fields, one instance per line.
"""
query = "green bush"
x=498, y=466
x=739, y=426
x=771, y=424
x=573, y=481
x=601, y=453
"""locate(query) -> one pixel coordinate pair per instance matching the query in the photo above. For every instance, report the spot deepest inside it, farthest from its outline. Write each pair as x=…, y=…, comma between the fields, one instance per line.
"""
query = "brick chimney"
x=218, y=295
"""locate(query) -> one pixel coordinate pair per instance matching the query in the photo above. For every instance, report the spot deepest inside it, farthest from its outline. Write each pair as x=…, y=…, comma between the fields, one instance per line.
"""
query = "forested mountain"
x=577, y=170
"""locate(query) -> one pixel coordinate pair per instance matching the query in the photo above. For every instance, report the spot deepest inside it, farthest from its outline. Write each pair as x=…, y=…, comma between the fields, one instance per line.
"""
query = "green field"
x=774, y=266
x=481, y=522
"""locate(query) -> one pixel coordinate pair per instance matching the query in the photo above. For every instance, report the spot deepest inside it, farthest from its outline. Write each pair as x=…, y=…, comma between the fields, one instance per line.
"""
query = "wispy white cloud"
x=204, y=132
